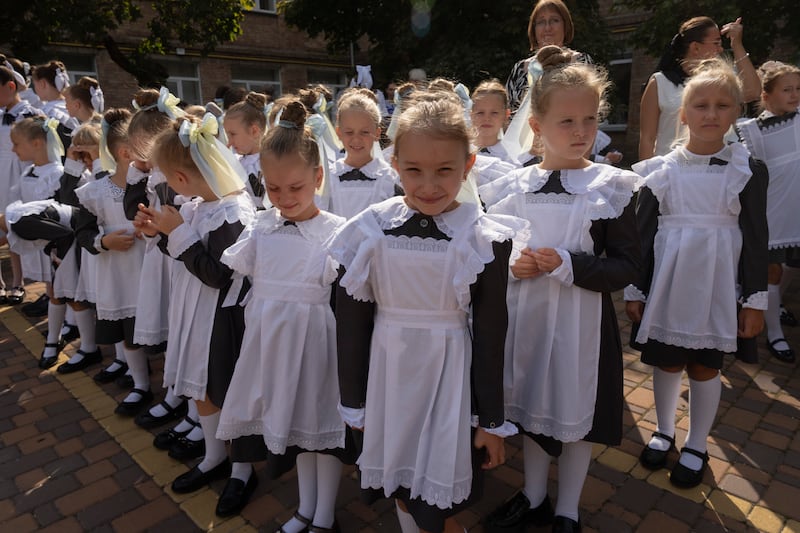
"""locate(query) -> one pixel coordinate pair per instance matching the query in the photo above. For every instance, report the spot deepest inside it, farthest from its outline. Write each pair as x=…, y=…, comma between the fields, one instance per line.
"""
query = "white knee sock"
x=184, y=425
x=329, y=473
x=703, y=404
x=171, y=400
x=215, y=448
x=407, y=523
x=307, y=488
x=86, y=326
x=666, y=389
x=55, y=316
x=241, y=471
x=537, y=467
x=137, y=364
x=69, y=320
x=772, y=317
x=119, y=355
x=573, y=465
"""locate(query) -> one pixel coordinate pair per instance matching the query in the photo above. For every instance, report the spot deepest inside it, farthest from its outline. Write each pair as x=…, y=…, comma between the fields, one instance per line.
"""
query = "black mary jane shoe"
x=235, y=495
x=72, y=333
x=788, y=318
x=686, y=478
x=300, y=518
x=147, y=420
x=562, y=524
x=49, y=362
x=196, y=479
x=133, y=408
x=653, y=459
x=516, y=513
x=125, y=381
x=184, y=449
x=786, y=356
x=107, y=376
x=15, y=295
x=316, y=529
x=165, y=439
x=89, y=359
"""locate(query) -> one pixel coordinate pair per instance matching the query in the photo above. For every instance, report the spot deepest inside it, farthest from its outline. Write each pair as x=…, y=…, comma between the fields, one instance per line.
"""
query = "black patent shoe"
x=235, y=495
x=133, y=408
x=107, y=376
x=49, y=362
x=89, y=359
x=788, y=318
x=125, y=381
x=147, y=420
x=316, y=529
x=71, y=334
x=653, y=459
x=165, y=439
x=562, y=524
x=683, y=476
x=15, y=295
x=516, y=513
x=184, y=449
x=196, y=479
x=786, y=356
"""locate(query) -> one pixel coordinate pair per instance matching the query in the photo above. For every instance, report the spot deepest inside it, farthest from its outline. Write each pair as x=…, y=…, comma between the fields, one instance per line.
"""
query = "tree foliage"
x=468, y=40
x=766, y=22
x=27, y=27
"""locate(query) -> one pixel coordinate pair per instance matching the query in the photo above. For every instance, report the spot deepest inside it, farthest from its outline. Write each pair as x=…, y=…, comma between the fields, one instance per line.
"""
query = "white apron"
x=692, y=298
x=348, y=198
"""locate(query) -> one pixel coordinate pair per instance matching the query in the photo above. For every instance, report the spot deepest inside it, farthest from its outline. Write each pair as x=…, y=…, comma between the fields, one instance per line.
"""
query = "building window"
x=184, y=81
x=619, y=71
x=78, y=66
x=257, y=78
x=265, y=6
x=335, y=80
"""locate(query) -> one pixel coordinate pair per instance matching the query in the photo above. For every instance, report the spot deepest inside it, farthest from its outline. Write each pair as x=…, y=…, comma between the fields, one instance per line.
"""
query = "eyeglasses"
x=555, y=21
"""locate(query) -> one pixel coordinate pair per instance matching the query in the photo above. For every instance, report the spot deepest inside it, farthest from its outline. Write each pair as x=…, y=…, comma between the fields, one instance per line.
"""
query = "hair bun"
x=256, y=100
x=145, y=97
x=552, y=56
x=116, y=114
x=295, y=112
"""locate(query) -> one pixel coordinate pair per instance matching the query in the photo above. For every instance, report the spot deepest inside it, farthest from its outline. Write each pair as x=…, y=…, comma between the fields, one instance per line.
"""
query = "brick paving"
x=67, y=463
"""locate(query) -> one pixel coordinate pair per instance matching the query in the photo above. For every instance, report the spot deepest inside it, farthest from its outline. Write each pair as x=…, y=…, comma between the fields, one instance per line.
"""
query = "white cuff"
x=564, y=272
x=181, y=239
x=508, y=429
x=633, y=294
x=351, y=416
x=97, y=241
x=74, y=168
x=757, y=300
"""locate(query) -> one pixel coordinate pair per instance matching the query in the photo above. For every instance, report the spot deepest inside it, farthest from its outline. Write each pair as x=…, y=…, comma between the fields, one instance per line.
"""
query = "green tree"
x=468, y=40
x=766, y=22
x=27, y=27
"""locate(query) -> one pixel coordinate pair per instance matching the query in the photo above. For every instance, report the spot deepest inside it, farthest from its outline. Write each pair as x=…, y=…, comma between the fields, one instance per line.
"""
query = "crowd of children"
x=326, y=292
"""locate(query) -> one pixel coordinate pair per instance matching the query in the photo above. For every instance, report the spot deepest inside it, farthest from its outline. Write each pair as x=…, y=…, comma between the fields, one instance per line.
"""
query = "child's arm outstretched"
x=489, y=325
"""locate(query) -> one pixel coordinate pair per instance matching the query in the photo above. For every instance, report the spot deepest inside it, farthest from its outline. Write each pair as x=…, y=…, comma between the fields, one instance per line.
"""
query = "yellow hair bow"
x=217, y=164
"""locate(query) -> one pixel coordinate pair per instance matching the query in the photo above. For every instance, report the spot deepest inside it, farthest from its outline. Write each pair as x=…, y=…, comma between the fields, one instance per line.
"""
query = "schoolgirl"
x=50, y=80
x=289, y=346
x=84, y=100
x=774, y=138
x=414, y=268
x=50, y=224
x=563, y=366
x=702, y=220
x=490, y=113
x=245, y=124
x=206, y=320
x=358, y=180
x=13, y=109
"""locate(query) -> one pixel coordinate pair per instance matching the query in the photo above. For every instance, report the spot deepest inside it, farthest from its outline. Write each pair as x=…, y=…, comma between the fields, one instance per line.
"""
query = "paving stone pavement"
x=67, y=463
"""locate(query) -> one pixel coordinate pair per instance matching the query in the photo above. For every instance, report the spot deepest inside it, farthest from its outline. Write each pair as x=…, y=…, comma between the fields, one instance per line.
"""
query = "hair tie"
x=107, y=161
x=55, y=148
x=135, y=105
x=463, y=93
x=321, y=104
x=219, y=167
x=268, y=108
x=26, y=68
x=19, y=79
x=168, y=104
x=535, y=71
x=288, y=124
x=62, y=79
x=364, y=76
x=98, y=101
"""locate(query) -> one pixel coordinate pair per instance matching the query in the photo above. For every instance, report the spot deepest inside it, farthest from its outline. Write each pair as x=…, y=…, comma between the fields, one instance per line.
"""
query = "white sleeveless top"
x=669, y=102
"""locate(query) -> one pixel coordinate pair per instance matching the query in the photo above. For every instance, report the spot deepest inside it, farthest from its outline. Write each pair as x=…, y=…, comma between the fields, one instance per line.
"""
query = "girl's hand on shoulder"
x=525, y=267
x=119, y=240
x=751, y=322
x=495, y=448
x=634, y=310
x=547, y=259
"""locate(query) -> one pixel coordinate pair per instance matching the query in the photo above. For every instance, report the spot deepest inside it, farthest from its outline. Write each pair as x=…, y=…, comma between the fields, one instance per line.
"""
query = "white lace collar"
x=394, y=212
x=316, y=229
x=371, y=169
